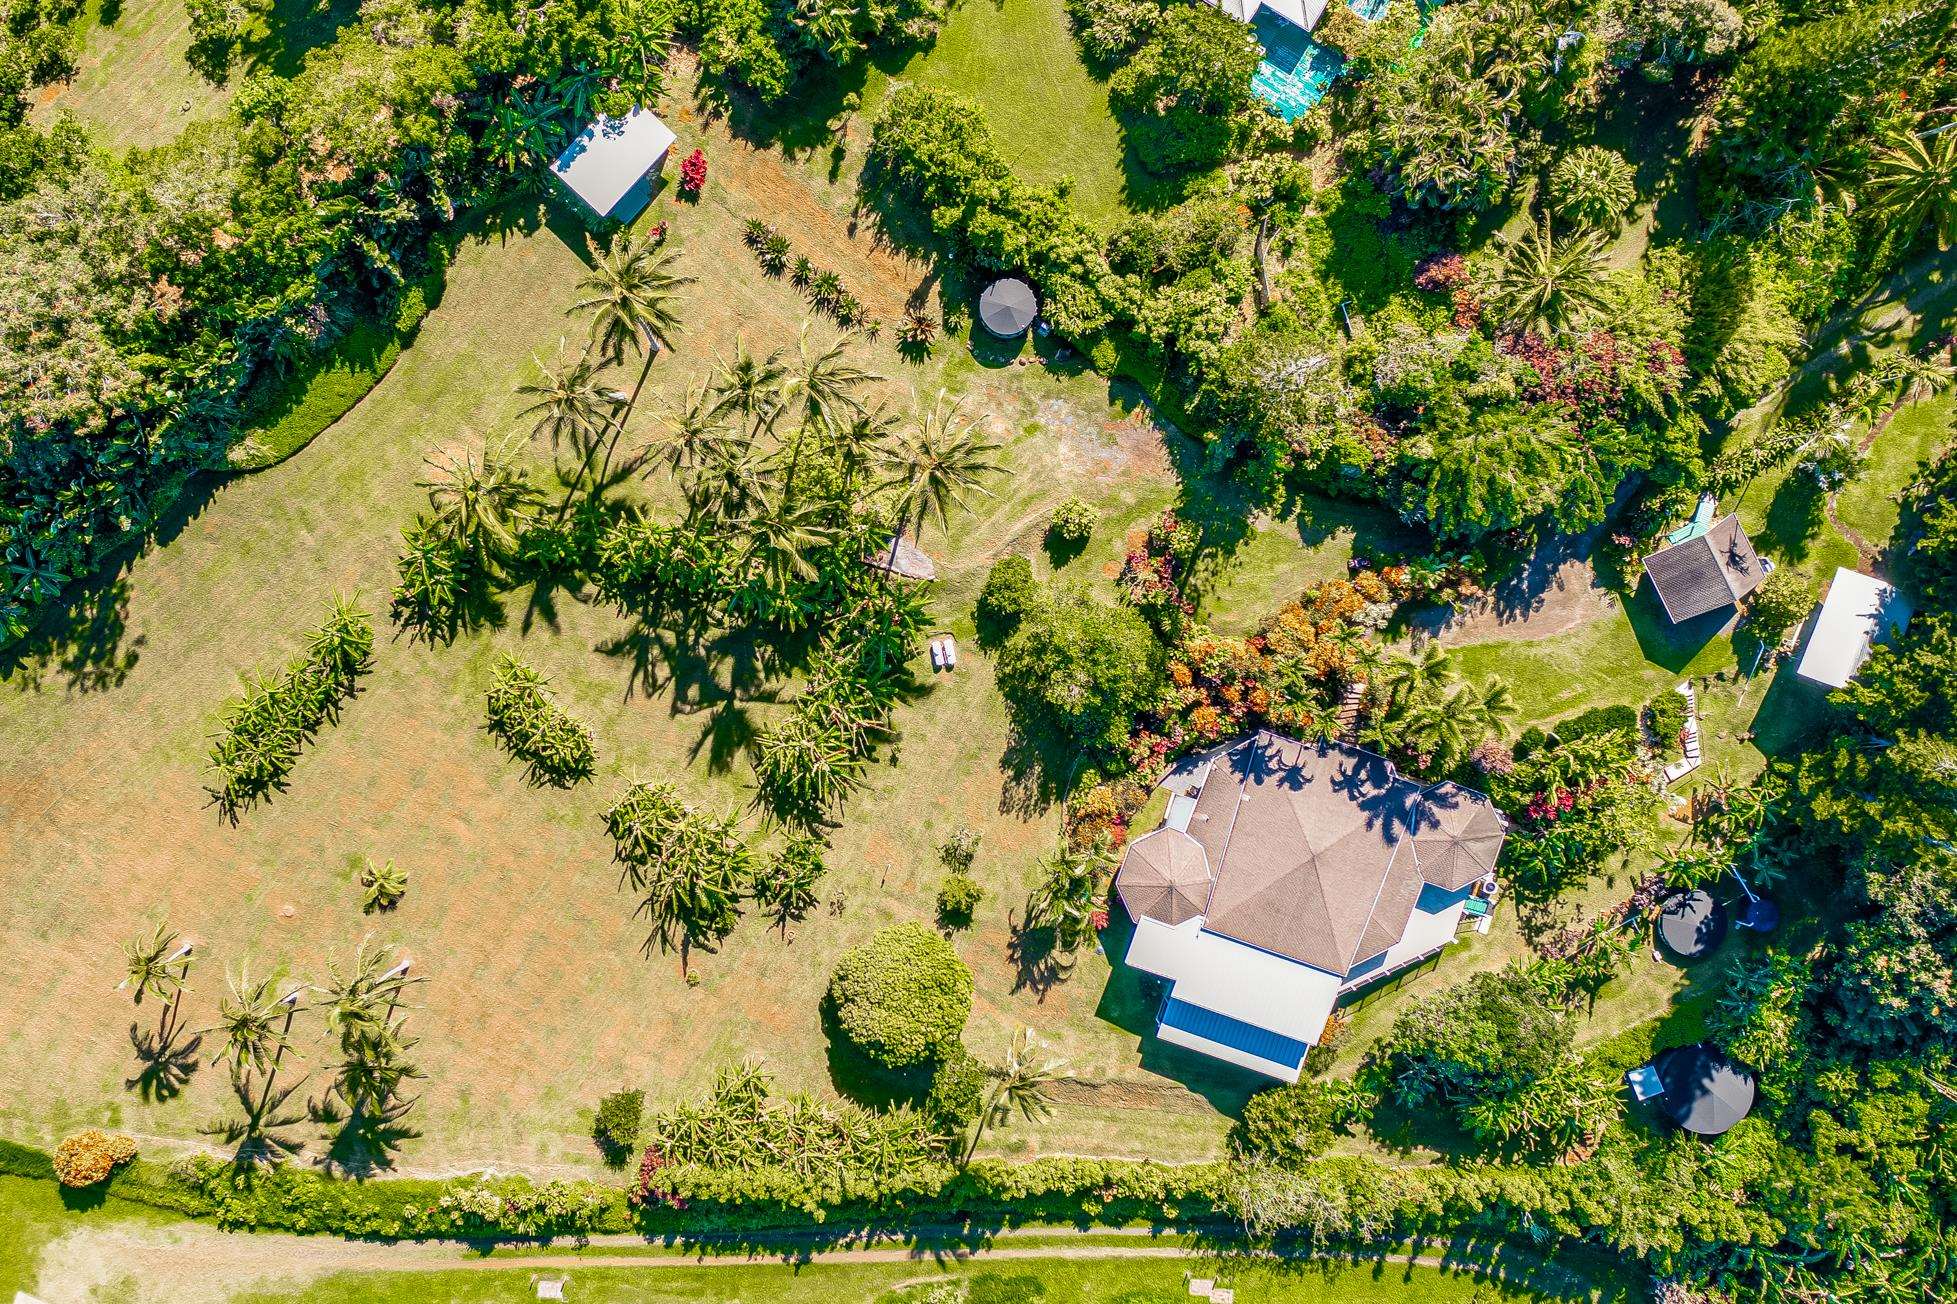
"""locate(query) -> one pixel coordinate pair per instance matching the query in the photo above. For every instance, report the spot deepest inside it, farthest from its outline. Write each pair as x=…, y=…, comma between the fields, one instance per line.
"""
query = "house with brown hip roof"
x=1713, y=570
x=1287, y=873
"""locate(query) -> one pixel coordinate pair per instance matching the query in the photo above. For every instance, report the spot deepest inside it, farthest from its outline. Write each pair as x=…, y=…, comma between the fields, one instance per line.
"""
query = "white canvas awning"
x=1859, y=611
x=611, y=157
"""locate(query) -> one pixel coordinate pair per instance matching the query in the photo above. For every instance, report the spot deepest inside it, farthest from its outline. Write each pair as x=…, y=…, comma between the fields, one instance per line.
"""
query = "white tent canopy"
x=610, y=158
x=1860, y=611
x=1299, y=13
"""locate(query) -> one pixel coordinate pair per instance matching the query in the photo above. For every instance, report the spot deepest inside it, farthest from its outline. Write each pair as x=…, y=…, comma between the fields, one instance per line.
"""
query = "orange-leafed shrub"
x=90, y=1156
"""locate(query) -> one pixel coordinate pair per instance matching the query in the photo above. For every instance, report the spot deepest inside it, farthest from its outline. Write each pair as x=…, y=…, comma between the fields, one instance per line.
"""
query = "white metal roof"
x=1858, y=611
x=611, y=156
x=1226, y=976
x=1300, y=13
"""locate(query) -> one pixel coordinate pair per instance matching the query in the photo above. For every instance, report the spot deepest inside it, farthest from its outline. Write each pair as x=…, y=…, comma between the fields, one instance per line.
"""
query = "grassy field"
x=1018, y=59
x=135, y=87
x=539, y=999
x=1056, y=1280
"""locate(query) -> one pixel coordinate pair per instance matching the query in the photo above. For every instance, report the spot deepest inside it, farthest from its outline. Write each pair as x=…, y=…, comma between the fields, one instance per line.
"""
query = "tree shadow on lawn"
x=1488, y=1262
x=83, y=635
x=1130, y=1001
x=168, y=1060
x=717, y=673
x=1661, y=642
x=1795, y=517
x=1792, y=711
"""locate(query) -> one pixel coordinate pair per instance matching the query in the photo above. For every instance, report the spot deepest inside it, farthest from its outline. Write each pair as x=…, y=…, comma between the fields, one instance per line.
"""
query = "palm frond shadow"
x=168, y=1061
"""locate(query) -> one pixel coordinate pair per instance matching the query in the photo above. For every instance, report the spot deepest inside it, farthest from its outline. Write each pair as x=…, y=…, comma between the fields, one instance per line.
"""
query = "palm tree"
x=568, y=405
x=935, y=464
x=361, y=999
x=750, y=388
x=156, y=964
x=479, y=505
x=1414, y=675
x=697, y=435
x=254, y=1023
x=855, y=441
x=1020, y=1084
x=782, y=534
x=1913, y=180
x=1547, y=283
x=729, y=487
x=630, y=292
x=823, y=385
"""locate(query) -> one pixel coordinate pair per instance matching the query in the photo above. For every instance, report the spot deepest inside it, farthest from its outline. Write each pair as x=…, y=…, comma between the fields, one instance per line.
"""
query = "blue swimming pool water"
x=1296, y=69
x=1369, y=9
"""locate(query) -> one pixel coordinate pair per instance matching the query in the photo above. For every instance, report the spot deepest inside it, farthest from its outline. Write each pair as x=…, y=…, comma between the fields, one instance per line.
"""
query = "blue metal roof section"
x=1234, y=1033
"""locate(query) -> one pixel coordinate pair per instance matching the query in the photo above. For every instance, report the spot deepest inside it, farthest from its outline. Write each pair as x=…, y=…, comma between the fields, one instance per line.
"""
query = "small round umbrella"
x=1008, y=307
x=1705, y=1092
x=1692, y=924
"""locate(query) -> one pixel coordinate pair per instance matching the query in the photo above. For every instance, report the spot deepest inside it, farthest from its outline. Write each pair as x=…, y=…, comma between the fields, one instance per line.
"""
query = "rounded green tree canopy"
x=902, y=997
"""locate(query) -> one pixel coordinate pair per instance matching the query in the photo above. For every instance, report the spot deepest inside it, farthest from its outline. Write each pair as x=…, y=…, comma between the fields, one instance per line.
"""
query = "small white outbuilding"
x=609, y=165
x=1859, y=611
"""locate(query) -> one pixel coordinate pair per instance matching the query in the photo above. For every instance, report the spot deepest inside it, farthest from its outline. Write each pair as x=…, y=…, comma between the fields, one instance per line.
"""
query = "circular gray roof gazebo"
x=1008, y=307
x=1692, y=924
x=1705, y=1092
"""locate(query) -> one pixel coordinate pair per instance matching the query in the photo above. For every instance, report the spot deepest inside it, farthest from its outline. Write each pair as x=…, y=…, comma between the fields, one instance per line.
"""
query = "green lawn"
x=35, y=1215
x=539, y=998
x=1019, y=61
x=134, y=86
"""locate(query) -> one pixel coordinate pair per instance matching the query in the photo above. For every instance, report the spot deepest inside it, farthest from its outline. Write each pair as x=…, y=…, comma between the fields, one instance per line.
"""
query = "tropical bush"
x=616, y=1127
x=88, y=1157
x=1498, y=1052
x=1110, y=30
x=553, y=743
x=1593, y=187
x=957, y=1091
x=785, y=888
x=958, y=897
x=265, y=729
x=1081, y=670
x=741, y=1133
x=902, y=998
x=1009, y=593
x=1286, y=1124
x=1072, y=522
x=1664, y=716
x=689, y=869
x=1182, y=97
x=382, y=886
x=1780, y=603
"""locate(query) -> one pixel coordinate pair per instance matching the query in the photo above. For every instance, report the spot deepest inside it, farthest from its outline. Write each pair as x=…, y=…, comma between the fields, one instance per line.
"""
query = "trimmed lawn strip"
x=1017, y=59
x=1136, y=1281
x=292, y=413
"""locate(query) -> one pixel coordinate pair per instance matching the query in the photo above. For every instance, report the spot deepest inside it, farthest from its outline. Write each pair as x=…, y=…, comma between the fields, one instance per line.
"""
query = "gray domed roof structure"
x=1008, y=307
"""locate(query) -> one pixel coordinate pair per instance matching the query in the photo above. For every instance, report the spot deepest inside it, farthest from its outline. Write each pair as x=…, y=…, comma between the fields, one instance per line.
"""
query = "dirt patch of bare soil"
x=1553, y=595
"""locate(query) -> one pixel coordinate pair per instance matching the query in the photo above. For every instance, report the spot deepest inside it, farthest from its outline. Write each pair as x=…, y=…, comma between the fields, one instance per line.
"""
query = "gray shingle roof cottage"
x=1706, y=573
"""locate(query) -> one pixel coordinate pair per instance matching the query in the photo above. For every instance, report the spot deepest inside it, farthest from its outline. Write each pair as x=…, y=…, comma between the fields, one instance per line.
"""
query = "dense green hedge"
x=291, y=413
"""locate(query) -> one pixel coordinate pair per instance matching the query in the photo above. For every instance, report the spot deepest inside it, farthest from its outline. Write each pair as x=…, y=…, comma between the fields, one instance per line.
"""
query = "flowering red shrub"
x=644, y=1191
x=693, y=173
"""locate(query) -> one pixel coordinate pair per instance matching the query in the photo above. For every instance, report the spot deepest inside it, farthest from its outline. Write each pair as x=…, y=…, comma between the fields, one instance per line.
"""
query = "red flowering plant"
x=1153, y=574
x=646, y=1191
x=1447, y=274
x=693, y=174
